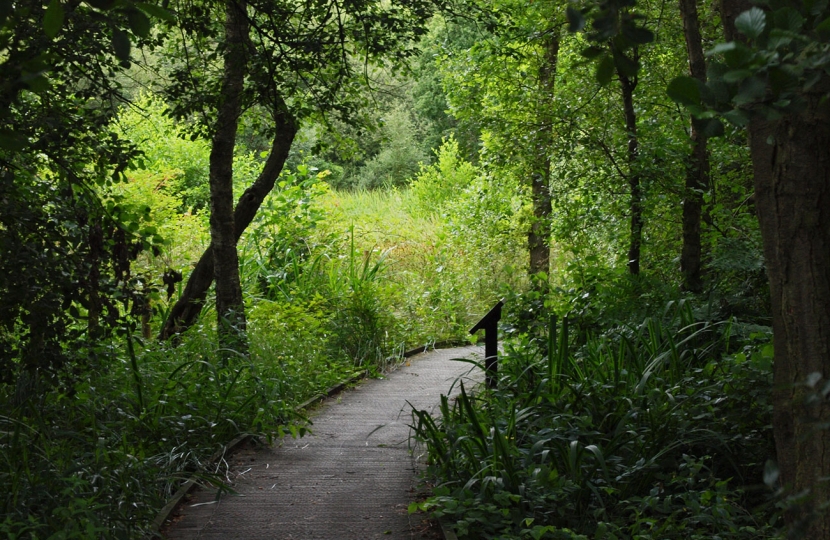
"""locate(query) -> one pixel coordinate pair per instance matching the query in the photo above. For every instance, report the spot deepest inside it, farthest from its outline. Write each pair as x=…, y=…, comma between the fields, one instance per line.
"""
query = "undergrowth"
x=652, y=430
x=335, y=284
x=99, y=455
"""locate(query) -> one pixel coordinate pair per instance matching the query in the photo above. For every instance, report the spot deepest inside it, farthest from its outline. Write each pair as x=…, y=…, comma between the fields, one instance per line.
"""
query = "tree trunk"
x=538, y=238
x=729, y=11
x=791, y=169
x=792, y=197
x=697, y=171
x=187, y=308
x=230, y=309
x=628, y=85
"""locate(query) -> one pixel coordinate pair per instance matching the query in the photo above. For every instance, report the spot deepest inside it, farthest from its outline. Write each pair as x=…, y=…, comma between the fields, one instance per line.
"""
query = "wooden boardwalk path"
x=351, y=479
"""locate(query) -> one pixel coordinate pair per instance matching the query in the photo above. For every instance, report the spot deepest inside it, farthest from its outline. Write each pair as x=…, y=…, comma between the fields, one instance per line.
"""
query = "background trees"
x=505, y=81
x=697, y=175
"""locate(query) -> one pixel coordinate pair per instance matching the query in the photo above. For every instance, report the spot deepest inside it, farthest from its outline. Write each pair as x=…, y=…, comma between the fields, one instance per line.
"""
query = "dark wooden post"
x=490, y=323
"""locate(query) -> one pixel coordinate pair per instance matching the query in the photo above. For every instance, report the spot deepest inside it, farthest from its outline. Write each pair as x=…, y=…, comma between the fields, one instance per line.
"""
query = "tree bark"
x=187, y=308
x=697, y=170
x=791, y=167
x=729, y=11
x=538, y=238
x=792, y=197
x=230, y=309
x=628, y=85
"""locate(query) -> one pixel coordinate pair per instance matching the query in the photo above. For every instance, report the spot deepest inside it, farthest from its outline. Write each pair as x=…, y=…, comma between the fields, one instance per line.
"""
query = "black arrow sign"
x=489, y=323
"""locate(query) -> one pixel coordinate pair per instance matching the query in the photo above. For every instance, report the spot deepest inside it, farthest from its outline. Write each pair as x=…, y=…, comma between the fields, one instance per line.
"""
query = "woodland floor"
x=353, y=477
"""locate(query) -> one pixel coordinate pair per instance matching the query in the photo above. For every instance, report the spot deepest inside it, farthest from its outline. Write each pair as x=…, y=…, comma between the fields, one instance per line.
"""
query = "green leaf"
x=684, y=90
x=781, y=80
x=625, y=65
x=736, y=75
x=788, y=18
x=605, y=70
x=103, y=5
x=592, y=52
x=814, y=7
x=36, y=82
x=715, y=70
x=780, y=38
x=739, y=56
x=711, y=127
x=720, y=91
x=9, y=140
x=707, y=95
x=139, y=23
x=752, y=22
x=156, y=11
x=823, y=26
x=721, y=48
x=751, y=90
x=53, y=19
x=605, y=27
x=121, y=44
x=576, y=21
x=637, y=35
x=737, y=117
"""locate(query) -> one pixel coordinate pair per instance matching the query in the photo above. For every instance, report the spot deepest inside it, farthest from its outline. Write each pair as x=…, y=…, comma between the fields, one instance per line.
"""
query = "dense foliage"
x=652, y=430
x=438, y=162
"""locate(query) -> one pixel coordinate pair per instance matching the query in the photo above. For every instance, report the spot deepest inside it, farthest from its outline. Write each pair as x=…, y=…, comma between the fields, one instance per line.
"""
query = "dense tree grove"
x=209, y=211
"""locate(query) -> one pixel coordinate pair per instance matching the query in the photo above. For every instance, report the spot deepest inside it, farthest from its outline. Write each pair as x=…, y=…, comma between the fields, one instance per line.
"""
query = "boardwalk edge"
x=187, y=487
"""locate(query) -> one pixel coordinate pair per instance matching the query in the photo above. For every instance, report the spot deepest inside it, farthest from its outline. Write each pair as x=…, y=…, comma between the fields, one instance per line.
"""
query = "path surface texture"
x=352, y=478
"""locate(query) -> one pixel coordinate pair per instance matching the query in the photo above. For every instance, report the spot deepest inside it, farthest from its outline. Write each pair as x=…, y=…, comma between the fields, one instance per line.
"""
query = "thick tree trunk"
x=628, y=85
x=230, y=308
x=538, y=238
x=697, y=171
x=792, y=197
x=729, y=11
x=186, y=310
x=791, y=166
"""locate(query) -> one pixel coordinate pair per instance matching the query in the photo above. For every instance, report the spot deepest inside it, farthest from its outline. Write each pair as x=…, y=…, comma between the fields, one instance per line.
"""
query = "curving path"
x=352, y=478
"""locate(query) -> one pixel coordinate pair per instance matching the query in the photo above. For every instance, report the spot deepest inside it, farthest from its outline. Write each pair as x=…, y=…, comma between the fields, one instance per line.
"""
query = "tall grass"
x=656, y=430
x=434, y=281
x=365, y=269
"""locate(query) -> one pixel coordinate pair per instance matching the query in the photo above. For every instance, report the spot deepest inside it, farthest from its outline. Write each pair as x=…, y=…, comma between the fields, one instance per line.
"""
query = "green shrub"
x=99, y=456
x=181, y=161
x=400, y=155
x=440, y=182
x=647, y=431
x=274, y=251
